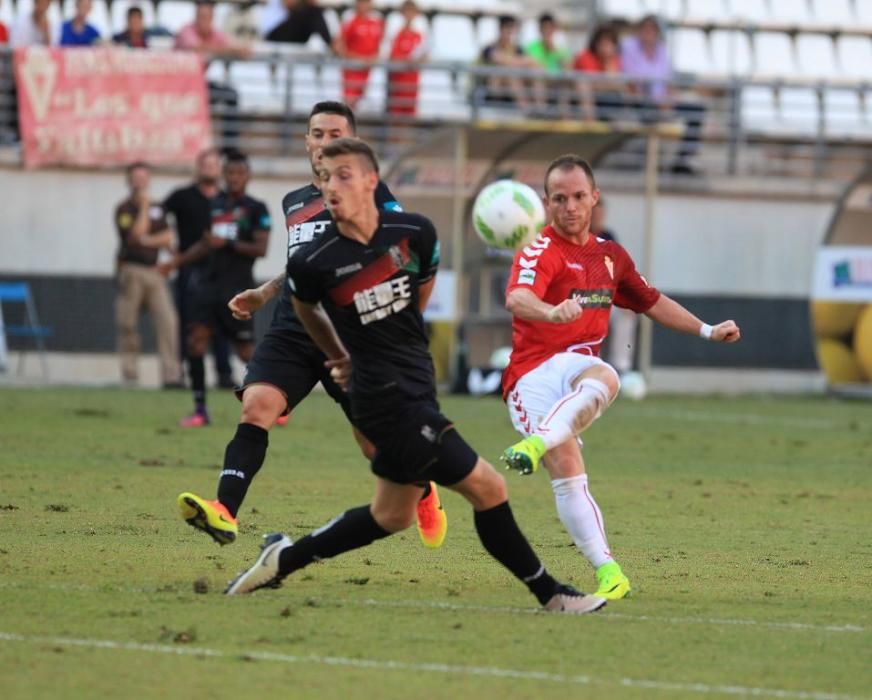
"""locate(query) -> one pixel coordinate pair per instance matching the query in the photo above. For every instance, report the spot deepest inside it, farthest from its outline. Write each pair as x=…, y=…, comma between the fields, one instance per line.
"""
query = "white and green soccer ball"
x=507, y=214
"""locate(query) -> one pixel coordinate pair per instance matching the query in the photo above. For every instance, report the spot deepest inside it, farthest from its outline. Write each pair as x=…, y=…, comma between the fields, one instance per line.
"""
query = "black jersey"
x=190, y=207
x=371, y=295
x=306, y=219
x=234, y=220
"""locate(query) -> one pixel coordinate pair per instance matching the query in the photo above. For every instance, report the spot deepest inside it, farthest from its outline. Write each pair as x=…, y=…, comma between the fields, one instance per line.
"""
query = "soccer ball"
x=633, y=386
x=507, y=214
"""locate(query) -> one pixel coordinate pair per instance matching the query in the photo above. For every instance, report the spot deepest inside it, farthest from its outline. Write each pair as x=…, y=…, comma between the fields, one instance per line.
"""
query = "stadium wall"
x=722, y=256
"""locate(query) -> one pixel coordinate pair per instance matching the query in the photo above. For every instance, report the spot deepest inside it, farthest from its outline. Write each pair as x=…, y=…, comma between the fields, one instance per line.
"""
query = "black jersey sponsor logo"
x=384, y=299
x=592, y=298
x=299, y=234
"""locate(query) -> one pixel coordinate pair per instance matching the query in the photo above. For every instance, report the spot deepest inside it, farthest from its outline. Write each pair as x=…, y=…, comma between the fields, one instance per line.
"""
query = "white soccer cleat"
x=568, y=600
x=264, y=573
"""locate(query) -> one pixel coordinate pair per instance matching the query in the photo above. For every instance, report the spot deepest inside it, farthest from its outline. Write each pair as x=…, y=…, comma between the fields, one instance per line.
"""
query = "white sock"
x=582, y=519
x=574, y=412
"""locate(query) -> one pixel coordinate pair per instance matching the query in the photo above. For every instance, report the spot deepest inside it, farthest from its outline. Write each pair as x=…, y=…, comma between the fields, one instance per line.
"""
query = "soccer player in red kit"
x=560, y=294
x=359, y=39
x=408, y=45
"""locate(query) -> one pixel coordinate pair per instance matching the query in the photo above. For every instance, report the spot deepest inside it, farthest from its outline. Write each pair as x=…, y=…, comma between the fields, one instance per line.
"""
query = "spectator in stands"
x=544, y=50
x=553, y=59
x=191, y=209
x=143, y=231
x=33, y=28
x=78, y=31
x=410, y=45
x=301, y=20
x=622, y=322
x=529, y=95
x=359, y=40
x=203, y=37
x=644, y=55
x=4, y=34
x=601, y=99
x=135, y=35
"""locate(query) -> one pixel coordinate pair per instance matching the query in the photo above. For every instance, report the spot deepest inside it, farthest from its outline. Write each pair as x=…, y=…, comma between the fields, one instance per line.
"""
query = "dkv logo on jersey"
x=383, y=299
x=527, y=275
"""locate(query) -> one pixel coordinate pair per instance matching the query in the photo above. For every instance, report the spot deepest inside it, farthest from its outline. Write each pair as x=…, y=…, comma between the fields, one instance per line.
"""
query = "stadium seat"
x=453, y=38
x=486, y=30
x=835, y=12
x=773, y=55
x=174, y=14
x=438, y=96
x=628, y=9
x=864, y=13
x=730, y=52
x=855, y=56
x=758, y=107
x=816, y=56
x=19, y=293
x=668, y=9
x=794, y=12
x=799, y=111
x=749, y=10
x=704, y=10
x=844, y=114
x=99, y=17
x=690, y=51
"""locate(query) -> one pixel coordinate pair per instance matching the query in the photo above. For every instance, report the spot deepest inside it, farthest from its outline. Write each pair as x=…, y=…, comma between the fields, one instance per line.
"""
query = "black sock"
x=198, y=382
x=243, y=458
x=504, y=541
x=353, y=529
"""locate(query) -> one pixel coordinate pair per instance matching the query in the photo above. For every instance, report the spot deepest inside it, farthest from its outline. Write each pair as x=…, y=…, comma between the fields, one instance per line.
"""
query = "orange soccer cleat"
x=432, y=520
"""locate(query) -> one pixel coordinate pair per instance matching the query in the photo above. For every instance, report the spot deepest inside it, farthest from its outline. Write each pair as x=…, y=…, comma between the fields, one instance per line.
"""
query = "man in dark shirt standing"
x=143, y=230
x=190, y=207
x=304, y=19
x=287, y=365
x=372, y=273
x=238, y=234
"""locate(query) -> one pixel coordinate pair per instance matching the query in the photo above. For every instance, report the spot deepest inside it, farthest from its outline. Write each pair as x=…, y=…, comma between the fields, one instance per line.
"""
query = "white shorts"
x=536, y=392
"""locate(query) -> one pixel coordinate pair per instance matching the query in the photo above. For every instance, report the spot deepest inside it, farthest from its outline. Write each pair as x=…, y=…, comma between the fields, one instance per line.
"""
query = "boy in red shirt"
x=408, y=45
x=360, y=40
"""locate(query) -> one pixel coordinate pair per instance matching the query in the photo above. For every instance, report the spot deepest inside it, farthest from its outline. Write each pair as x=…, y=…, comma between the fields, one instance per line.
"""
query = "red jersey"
x=362, y=35
x=597, y=274
x=406, y=44
x=588, y=62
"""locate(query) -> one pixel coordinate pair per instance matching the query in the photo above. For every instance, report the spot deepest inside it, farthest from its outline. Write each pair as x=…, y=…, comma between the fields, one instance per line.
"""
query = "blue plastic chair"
x=19, y=292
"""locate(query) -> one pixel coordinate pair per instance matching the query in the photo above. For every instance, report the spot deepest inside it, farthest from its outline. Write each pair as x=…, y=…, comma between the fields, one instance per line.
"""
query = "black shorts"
x=292, y=365
x=208, y=306
x=418, y=445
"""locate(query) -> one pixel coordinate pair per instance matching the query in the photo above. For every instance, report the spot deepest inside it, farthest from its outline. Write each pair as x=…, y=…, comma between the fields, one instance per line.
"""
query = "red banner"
x=110, y=106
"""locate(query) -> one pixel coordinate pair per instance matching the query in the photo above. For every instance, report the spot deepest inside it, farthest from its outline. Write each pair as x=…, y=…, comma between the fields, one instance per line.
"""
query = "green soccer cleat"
x=525, y=455
x=612, y=584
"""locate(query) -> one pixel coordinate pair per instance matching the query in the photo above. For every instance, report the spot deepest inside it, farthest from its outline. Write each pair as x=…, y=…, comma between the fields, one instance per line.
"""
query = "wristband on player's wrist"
x=705, y=331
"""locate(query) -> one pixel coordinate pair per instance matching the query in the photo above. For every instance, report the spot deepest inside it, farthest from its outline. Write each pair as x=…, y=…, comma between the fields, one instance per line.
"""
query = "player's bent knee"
x=394, y=520
x=262, y=405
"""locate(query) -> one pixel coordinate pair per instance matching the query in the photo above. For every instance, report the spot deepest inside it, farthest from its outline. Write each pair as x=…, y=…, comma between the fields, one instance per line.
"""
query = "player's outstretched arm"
x=244, y=304
x=321, y=330
x=524, y=304
x=671, y=314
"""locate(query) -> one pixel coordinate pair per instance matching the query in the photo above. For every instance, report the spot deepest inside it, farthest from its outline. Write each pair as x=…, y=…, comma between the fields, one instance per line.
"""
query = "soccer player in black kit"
x=359, y=290
x=286, y=364
x=239, y=233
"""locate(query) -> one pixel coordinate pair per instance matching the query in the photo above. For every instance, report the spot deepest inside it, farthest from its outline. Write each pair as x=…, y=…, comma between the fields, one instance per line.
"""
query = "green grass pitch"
x=744, y=525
